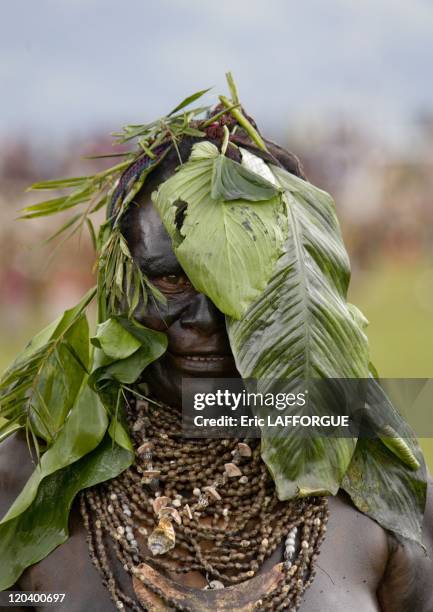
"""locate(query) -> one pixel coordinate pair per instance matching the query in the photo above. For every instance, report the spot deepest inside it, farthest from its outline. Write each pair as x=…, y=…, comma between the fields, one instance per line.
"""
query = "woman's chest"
x=84, y=591
x=347, y=575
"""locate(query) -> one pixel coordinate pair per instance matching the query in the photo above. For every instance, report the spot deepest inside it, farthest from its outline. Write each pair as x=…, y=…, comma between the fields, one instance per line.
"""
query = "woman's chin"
x=166, y=376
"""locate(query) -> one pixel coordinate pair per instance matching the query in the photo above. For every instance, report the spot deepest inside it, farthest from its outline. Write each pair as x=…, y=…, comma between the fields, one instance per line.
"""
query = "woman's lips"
x=203, y=364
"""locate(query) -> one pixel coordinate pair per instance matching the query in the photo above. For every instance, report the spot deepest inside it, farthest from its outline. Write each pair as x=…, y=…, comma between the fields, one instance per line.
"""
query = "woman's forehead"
x=148, y=241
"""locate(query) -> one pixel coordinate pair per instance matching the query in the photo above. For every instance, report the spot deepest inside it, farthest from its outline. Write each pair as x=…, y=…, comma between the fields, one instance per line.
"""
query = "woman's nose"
x=202, y=315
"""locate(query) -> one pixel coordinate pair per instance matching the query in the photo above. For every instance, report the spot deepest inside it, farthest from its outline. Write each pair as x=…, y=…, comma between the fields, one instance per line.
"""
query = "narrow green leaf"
x=134, y=300
x=63, y=228
x=189, y=100
x=107, y=155
x=120, y=436
x=92, y=233
x=63, y=183
x=7, y=428
x=189, y=131
x=46, y=207
x=217, y=116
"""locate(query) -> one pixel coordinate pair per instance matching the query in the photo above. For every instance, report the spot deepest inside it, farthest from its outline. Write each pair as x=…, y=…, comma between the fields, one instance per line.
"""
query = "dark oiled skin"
x=360, y=566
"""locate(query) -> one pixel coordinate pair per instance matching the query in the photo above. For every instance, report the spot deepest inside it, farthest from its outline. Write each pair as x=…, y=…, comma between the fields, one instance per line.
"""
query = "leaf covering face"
x=228, y=245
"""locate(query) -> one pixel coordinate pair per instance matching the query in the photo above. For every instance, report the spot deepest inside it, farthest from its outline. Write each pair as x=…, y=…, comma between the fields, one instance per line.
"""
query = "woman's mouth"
x=203, y=364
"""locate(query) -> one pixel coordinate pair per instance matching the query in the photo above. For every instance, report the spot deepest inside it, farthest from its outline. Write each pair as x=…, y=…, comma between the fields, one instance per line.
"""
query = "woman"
x=200, y=524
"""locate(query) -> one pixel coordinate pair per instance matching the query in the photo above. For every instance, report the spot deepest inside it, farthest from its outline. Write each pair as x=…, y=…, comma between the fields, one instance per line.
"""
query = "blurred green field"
x=396, y=297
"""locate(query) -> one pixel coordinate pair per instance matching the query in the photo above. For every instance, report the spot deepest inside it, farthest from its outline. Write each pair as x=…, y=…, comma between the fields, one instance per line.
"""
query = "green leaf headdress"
x=265, y=246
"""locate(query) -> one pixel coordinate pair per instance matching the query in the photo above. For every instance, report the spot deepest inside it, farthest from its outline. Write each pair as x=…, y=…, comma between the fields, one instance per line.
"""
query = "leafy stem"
x=243, y=121
x=225, y=141
x=233, y=89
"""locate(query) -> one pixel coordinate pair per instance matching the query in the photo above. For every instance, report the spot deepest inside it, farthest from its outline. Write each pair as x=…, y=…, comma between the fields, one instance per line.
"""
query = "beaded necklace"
x=198, y=505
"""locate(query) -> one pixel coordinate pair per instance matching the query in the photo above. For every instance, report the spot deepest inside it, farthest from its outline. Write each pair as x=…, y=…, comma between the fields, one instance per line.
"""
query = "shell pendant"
x=163, y=538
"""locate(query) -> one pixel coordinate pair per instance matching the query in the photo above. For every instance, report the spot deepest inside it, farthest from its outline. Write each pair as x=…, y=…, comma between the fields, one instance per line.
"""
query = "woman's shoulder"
x=16, y=466
x=408, y=580
x=68, y=568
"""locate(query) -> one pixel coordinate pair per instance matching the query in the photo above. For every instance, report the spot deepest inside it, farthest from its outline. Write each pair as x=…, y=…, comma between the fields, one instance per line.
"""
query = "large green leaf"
x=125, y=370
x=387, y=477
x=83, y=430
x=31, y=536
x=125, y=349
x=301, y=329
x=384, y=488
x=228, y=248
x=233, y=181
x=115, y=341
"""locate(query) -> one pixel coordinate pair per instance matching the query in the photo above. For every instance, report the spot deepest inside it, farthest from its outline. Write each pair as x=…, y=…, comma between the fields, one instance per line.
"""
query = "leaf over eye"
x=228, y=248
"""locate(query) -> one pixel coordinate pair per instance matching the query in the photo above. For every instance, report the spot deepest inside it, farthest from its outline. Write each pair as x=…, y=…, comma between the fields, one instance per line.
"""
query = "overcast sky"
x=68, y=66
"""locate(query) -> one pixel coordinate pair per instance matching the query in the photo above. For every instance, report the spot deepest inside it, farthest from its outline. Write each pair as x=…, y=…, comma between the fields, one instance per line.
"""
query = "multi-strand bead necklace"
x=198, y=505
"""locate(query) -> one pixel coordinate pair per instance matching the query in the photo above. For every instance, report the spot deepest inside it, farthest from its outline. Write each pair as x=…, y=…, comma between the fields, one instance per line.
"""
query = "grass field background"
x=397, y=299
